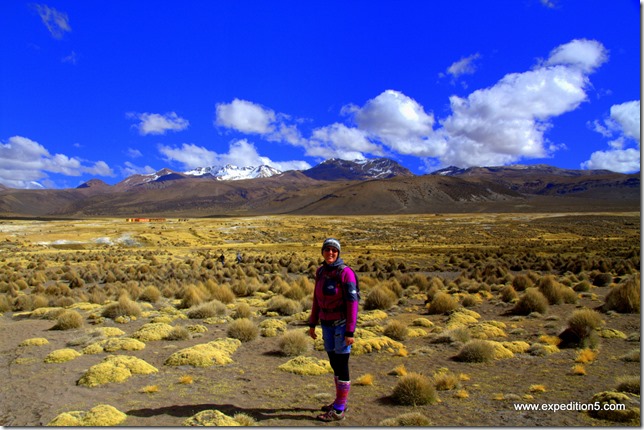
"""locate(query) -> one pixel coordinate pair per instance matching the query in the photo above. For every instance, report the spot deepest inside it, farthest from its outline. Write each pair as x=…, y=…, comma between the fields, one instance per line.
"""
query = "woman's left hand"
x=349, y=341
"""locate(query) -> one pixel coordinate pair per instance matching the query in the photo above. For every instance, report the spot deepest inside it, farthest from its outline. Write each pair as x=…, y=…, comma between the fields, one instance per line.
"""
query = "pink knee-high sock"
x=341, y=395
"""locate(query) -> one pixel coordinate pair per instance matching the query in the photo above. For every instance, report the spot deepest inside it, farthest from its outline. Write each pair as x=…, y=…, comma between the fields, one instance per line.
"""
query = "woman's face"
x=330, y=254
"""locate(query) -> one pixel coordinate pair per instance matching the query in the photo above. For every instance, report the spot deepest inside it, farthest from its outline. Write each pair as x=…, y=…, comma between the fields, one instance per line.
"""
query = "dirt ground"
x=33, y=393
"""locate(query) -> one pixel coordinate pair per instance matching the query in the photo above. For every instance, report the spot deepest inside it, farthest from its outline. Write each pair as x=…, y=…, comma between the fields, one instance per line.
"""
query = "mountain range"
x=334, y=187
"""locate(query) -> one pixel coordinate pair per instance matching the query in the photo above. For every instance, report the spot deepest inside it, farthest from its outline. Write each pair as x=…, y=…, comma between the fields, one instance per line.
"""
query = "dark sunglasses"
x=329, y=249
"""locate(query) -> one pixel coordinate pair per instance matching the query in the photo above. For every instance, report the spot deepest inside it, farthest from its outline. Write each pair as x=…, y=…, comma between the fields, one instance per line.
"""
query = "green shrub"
x=476, y=351
x=414, y=389
x=243, y=329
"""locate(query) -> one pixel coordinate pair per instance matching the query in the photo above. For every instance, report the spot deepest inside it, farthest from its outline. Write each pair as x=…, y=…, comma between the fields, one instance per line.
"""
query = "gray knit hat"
x=332, y=242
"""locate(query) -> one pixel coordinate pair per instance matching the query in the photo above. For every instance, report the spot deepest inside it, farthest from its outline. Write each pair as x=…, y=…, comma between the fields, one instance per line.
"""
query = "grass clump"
x=284, y=306
x=115, y=368
x=243, y=329
x=629, y=384
x=153, y=331
x=124, y=307
x=62, y=355
x=409, y=419
x=217, y=352
x=531, y=301
x=442, y=303
x=414, y=389
x=294, y=342
x=396, y=330
x=302, y=365
x=98, y=416
x=584, y=321
x=68, y=320
x=209, y=309
x=476, y=351
x=34, y=341
x=381, y=298
x=625, y=297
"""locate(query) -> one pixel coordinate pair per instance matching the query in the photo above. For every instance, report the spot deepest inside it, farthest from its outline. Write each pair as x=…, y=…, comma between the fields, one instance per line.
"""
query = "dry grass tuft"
x=409, y=419
x=68, y=320
x=294, y=342
x=414, y=389
x=625, y=297
x=379, y=298
x=366, y=379
x=585, y=356
x=531, y=301
x=243, y=329
x=476, y=351
x=442, y=303
x=396, y=330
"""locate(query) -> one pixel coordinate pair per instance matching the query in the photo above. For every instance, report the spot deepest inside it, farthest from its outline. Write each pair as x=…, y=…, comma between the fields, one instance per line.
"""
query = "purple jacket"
x=335, y=296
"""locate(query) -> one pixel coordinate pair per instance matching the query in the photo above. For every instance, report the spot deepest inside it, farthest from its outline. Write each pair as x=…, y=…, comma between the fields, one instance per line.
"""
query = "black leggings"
x=340, y=365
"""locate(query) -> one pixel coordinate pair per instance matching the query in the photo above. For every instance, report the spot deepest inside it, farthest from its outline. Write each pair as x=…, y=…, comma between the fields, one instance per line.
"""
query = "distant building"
x=145, y=219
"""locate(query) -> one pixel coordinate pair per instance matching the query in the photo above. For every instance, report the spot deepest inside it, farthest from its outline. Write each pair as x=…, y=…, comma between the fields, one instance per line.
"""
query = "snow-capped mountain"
x=336, y=169
x=231, y=172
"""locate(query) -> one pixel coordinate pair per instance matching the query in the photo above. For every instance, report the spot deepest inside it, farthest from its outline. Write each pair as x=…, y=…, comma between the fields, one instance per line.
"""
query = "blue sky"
x=107, y=89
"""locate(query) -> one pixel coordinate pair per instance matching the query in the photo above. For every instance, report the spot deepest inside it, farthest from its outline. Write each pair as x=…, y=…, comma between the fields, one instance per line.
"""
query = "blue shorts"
x=334, y=339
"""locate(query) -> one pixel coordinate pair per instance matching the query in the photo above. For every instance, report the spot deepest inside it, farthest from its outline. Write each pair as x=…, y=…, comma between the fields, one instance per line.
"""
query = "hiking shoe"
x=327, y=408
x=331, y=415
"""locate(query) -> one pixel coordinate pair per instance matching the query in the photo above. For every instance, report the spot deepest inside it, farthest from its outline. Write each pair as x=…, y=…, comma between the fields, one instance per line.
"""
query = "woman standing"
x=335, y=306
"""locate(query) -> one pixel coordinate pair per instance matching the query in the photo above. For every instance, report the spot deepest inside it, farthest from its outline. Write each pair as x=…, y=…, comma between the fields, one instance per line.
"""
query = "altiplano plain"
x=153, y=294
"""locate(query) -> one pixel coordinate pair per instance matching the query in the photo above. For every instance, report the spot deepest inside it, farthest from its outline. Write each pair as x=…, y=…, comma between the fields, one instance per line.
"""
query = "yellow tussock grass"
x=150, y=389
x=186, y=379
x=399, y=370
x=461, y=394
x=153, y=331
x=217, y=352
x=302, y=365
x=375, y=344
x=537, y=388
x=585, y=356
x=62, y=355
x=550, y=340
x=35, y=341
x=578, y=370
x=98, y=416
x=211, y=417
x=115, y=368
x=366, y=379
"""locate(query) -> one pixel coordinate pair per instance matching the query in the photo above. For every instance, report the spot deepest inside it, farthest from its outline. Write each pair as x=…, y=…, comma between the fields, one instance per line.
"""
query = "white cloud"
x=507, y=122
x=24, y=161
x=464, y=66
x=623, y=128
x=133, y=153
x=587, y=55
x=340, y=141
x=240, y=153
x=399, y=122
x=618, y=160
x=154, y=123
x=130, y=169
x=56, y=22
x=245, y=116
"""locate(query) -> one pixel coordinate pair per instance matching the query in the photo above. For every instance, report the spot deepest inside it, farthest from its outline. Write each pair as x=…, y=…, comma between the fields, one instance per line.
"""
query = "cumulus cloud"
x=154, y=123
x=245, y=116
x=623, y=128
x=339, y=141
x=57, y=23
x=240, y=153
x=129, y=169
x=506, y=122
x=24, y=162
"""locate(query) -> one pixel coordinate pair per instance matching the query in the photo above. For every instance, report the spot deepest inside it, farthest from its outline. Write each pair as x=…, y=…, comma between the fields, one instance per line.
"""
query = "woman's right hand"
x=312, y=333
